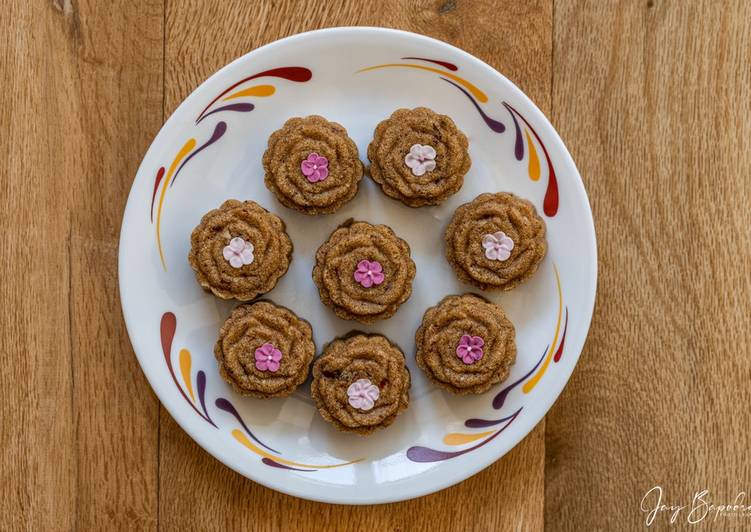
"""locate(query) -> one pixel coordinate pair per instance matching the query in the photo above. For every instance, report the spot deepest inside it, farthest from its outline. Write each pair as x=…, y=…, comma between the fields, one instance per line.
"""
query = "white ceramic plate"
x=210, y=150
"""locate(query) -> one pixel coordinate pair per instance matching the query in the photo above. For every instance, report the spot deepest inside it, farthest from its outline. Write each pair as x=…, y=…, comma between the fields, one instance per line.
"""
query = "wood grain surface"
x=652, y=97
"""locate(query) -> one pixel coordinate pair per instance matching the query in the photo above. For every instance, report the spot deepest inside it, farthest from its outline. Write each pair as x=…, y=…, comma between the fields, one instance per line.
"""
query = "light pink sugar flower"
x=363, y=394
x=268, y=357
x=497, y=246
x=470, y=349
x=315, y=168
x=238, y=252
x=369, y=273
x=420, y=159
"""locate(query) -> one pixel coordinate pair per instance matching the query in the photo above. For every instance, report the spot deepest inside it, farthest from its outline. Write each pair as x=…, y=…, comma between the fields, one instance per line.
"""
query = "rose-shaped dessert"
x=496, y=241
x=465, y=344
x=312, y=165
x=364, y=272
x=360, y=383
x=240, y=250
x=418, y=157
x=264, y=350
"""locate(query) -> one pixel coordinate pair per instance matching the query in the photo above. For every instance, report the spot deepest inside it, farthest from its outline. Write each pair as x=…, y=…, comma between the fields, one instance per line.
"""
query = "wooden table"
x=652, y=97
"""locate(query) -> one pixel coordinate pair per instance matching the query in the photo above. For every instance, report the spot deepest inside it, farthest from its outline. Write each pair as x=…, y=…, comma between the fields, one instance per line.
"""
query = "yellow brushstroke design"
x=534, y=160
x=239, y=436
x=458, y=438
x=185, y=150
x=477, y=93
x=185, y=371
x=259, y=90
x=531, y=383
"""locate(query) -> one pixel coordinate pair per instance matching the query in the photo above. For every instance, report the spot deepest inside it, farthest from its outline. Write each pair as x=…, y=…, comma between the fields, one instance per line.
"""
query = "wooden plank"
x=119, y=58
x=38, y=464
x=654, y=101
x=82, y=99
x=197, y=492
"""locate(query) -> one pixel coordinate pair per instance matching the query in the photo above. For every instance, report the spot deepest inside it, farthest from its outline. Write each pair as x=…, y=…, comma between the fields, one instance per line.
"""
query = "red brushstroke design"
x=157, y=180
x=167, y=330
x=444, y=64
x=298, y=74
x=559, y=351
x=550, y=203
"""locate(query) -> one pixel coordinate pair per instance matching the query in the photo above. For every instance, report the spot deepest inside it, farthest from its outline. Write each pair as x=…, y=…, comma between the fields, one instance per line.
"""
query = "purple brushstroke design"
x=201, y=384
x=519, y=143
x=426, y=454
x=484, y=423
x=272, y=463
x=223, y=404
x=219, y=130
x=493, y=124
x=499, y=399
x=236, y=107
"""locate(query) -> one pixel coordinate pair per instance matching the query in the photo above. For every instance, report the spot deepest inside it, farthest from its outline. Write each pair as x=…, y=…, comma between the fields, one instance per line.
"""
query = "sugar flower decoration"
x=268, y=357
x=497, y=246
x=420, y=159
x=469, y=349
x=363, y=394
x=315, y=168
x=369, y=273
x=238, y=252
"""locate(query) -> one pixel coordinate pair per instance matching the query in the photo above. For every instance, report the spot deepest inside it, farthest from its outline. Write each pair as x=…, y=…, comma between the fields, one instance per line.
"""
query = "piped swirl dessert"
x=312, y=166
x=361, y=383
x=419, y=157
x=364, y=272
x=496, y=241
x=465, y=344
x=240, y=250
x=264, y=350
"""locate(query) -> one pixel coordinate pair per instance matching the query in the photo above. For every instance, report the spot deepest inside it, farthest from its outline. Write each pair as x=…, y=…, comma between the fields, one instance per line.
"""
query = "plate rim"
x=282, y=485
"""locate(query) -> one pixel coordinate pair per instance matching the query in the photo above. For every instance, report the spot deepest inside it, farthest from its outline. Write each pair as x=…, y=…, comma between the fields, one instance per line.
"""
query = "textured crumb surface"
x=360, y=356
x=487, y=214
x=292, y=144
x=254, y=224
x=249, y=327
x=392, y=141
x=338, y=258
x=441, y=331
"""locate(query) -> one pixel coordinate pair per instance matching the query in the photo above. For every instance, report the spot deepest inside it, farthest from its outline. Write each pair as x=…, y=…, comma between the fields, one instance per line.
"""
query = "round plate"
x=210, y=150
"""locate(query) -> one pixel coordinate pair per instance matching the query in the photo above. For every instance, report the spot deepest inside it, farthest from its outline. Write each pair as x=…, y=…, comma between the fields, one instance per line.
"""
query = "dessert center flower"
x=315, y=168
x=469, y=349
x=421, y=159
x=238, y=252
x=268, y=357
x=369, y=273
x=363, y=394
x=497, y=246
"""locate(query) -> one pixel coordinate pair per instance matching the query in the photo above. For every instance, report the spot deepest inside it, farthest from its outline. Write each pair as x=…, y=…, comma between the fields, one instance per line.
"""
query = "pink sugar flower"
x=470, y=349
x=363, y=394
x=420, y=159
x=268, y=357
x=238, y=252
x=315, y=168
x=497, y=246
x=369, y=273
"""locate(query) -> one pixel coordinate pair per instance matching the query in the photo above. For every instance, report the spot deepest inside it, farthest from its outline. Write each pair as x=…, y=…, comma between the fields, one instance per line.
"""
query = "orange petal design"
x=459, y=438
x=261, y=91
